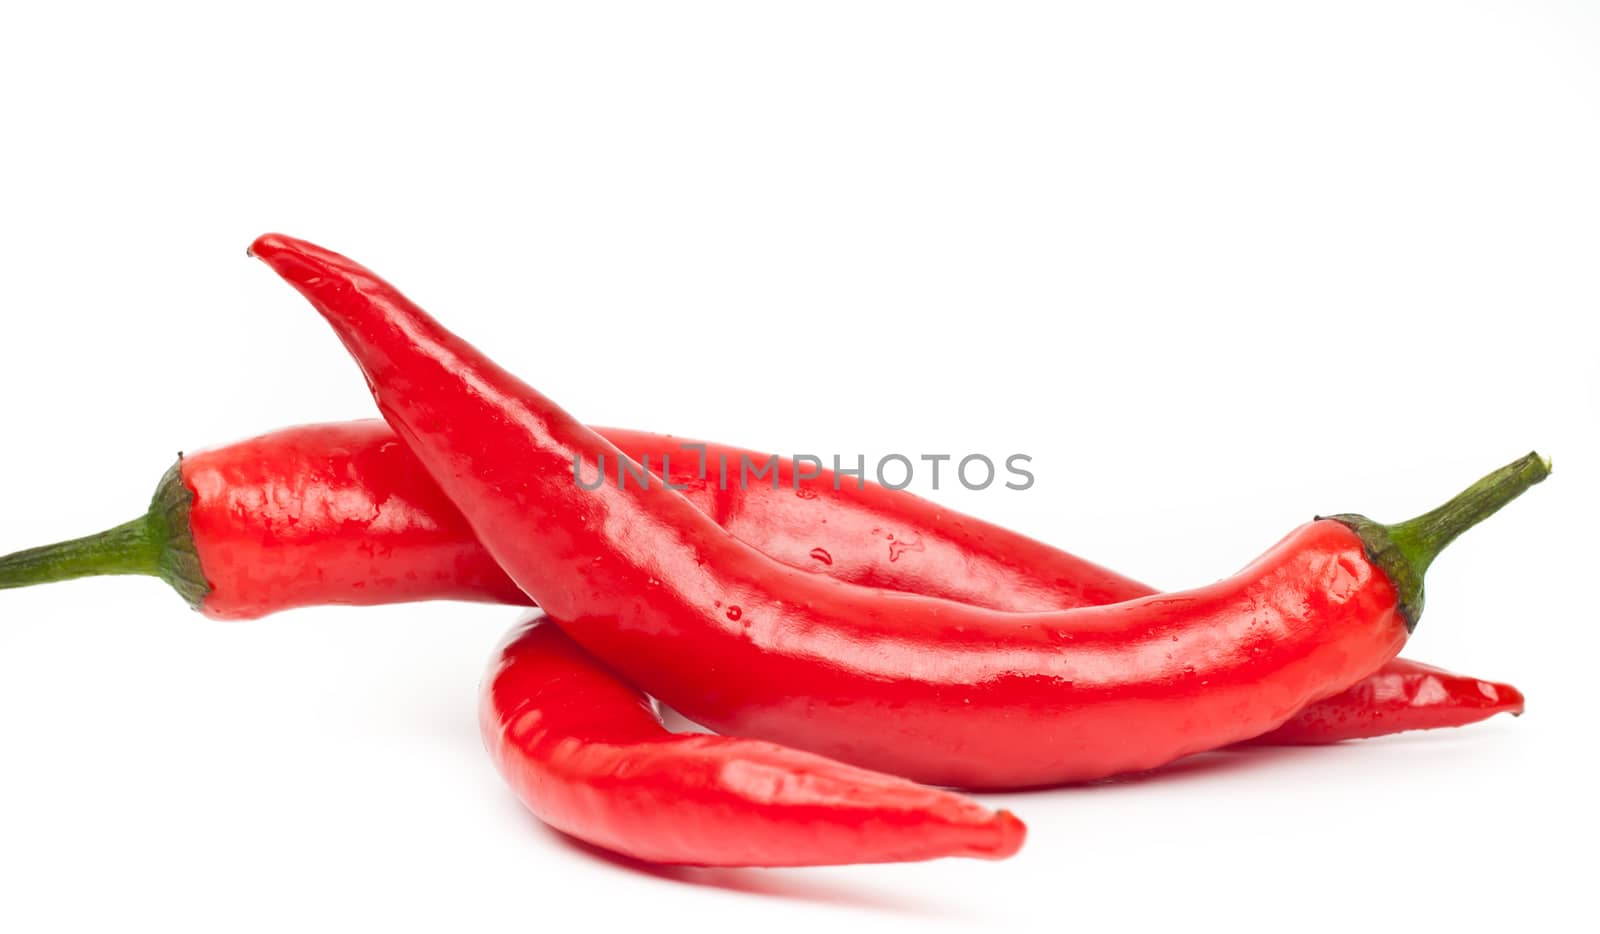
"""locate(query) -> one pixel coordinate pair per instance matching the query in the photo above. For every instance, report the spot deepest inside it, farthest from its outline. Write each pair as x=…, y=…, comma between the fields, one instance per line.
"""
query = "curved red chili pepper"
x=342, y=513
x=942, y=692
x=587, y=754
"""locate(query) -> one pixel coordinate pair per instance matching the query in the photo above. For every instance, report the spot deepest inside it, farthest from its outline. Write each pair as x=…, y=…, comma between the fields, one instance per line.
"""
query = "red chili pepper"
x=343, y=514
x=1402, y=695
x=938, y=691
x=586, y=752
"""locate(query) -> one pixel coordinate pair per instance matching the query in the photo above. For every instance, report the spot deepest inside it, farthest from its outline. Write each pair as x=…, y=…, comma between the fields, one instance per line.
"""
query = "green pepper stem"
x=1406, y=549
x=1421, y=539
x=159, y=543
x=130, y=548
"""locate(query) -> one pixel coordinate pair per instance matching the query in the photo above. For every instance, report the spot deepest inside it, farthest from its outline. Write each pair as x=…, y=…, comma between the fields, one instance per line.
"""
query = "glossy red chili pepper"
x=942, y=692
x=318, y=514
x=586, y=752
x=343, y=514
x=1402, y=695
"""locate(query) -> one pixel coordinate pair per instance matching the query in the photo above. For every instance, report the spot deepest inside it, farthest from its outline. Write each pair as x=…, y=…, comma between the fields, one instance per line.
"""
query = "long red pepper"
x=942, y=692
x=586, y=752
x=342, y=513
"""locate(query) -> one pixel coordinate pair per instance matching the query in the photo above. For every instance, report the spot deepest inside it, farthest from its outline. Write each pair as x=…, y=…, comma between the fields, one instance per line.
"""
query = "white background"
x=1216, y=267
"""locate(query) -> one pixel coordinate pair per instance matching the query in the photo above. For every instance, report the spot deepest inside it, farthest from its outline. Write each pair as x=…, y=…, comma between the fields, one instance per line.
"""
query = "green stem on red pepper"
x=156, y=544
x=1405, y=550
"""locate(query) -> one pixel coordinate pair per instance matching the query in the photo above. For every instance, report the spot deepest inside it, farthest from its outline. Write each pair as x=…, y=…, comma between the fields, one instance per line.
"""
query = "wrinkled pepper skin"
x=587, y=753
x=1403, y=695
x=337, y=513
x=940, y=692
x=342, y=513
